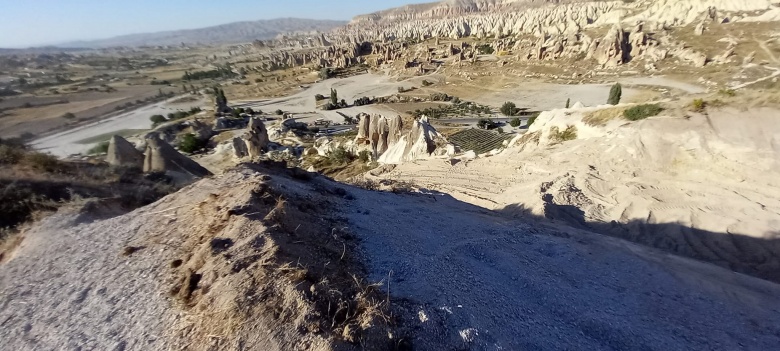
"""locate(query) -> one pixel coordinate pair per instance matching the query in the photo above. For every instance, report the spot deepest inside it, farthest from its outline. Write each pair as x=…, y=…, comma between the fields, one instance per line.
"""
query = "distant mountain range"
x=238, y=32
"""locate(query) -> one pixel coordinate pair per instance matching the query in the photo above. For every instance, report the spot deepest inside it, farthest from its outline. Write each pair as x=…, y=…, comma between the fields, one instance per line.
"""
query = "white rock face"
x=419, y=143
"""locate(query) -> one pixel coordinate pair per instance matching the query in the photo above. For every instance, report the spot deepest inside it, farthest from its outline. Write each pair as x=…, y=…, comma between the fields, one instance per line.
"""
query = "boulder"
x=239, y=148
x=122, y=153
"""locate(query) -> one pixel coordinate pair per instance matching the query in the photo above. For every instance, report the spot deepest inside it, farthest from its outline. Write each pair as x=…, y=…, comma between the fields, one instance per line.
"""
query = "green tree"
x=515, y=122
x=568, y=101
x=509, y=109
x=486, y=123
x=334, y=96
x=614, y=94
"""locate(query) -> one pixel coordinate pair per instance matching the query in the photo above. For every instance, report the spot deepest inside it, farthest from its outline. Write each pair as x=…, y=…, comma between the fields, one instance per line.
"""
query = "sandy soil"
x=71, y=141
x=457, y=276
x=703, y=187
x=84, y=105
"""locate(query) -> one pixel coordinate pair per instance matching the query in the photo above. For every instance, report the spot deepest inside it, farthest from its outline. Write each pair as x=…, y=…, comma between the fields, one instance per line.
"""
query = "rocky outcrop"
x=123, y=154
x=611, y=50
x=420, y=142
x=557, y=29
x=162, y=157
x=255, y=140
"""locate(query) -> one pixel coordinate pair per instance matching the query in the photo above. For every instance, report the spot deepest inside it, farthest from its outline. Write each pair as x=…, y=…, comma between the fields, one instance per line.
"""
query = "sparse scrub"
x=601, y=117
x=698, y=105
x=10, y=155
x=727, y=92
x=100, y=148
x=638, y=112
x=364, y=156
x=340, y=155
x=43, y=162
x=190, y=143
x=485, y=49
x=558, y=136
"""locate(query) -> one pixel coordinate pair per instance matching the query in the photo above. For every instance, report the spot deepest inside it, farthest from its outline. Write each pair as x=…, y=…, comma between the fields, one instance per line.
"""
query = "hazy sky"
x=25, y=23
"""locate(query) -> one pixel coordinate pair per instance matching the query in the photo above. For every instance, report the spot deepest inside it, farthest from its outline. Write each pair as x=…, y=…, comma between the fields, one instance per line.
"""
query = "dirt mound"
x=701, y=187
x=272, y=271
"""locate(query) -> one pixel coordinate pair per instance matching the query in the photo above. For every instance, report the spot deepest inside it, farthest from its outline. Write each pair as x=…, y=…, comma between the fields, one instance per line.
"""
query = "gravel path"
x=70, y=288
x=481, y=282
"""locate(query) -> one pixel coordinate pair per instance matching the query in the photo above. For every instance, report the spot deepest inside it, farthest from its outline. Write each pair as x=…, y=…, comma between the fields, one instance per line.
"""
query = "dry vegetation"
x=269, y=264
x=602, y=117
x=33, y=183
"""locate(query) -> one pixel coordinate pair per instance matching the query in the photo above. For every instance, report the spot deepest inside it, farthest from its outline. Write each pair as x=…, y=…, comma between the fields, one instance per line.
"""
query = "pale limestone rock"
x=162, y=157
x=122, y=153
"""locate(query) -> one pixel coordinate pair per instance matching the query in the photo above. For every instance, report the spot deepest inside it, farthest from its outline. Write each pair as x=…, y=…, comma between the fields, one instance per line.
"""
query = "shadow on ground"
x=736, y=251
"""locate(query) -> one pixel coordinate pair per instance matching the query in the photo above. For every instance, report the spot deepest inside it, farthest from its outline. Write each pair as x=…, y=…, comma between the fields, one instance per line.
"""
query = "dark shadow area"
x=735, y=251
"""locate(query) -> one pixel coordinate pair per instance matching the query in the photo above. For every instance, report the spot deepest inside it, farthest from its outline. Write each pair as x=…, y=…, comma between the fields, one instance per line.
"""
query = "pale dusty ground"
x=68, y=142
x=704, y=187
x=460, y=277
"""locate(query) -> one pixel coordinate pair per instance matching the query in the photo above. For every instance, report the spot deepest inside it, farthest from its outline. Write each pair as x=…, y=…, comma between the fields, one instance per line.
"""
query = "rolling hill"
x=237, y=32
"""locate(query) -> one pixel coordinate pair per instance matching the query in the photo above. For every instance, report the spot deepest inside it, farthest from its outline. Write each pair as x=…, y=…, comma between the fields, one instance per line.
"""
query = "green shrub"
x=157, y=120
x=279, y=112
x=509, y=109
x=340, y=155
x=99, y=148
x=515, y=122
x=69, y=116
x=426, y=83
x=364, y=156
x=570, y=133
x=190, y=143
x=638, y=112
x=485, y=49
x=614, y=94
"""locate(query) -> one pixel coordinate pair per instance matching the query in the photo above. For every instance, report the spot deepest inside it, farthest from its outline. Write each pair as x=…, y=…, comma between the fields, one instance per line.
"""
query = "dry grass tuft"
x=558, y=136
x=601, y=117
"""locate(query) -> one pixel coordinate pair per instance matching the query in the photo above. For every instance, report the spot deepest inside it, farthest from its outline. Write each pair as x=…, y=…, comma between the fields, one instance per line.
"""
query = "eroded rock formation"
x=124, y=154
x=162, y=157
